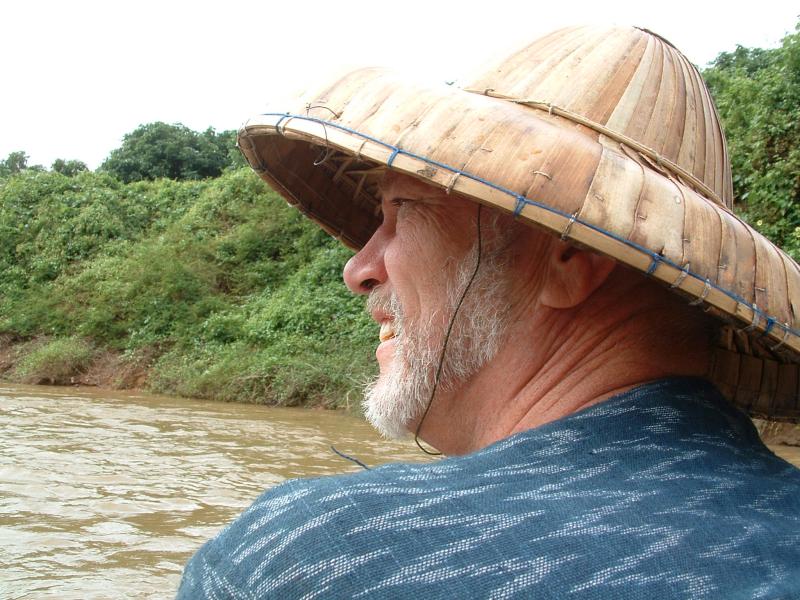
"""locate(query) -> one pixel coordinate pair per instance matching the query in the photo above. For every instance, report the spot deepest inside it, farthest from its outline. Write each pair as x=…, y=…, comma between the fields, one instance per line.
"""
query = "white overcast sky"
x=77, y=75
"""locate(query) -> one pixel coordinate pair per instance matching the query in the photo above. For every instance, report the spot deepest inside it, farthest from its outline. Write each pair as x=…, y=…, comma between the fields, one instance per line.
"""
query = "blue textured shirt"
x=665, y=491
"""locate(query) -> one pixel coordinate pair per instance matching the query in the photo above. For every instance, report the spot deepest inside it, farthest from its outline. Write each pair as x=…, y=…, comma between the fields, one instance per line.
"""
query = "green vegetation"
x=16, y=162
x=159, y=150
x=229, y=292
x=175, y=268
x=68, y=167
x=54, y=362
x=757, y=93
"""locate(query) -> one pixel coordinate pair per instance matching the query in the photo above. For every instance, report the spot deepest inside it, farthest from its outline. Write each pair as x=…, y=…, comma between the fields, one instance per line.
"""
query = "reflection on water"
x=106, y=495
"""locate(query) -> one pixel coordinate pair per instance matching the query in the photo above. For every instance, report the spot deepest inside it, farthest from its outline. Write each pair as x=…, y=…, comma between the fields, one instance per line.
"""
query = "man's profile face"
x=415, y=268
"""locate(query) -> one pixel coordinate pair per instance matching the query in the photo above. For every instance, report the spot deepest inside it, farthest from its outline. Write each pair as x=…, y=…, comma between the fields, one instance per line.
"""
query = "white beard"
x=395, y=399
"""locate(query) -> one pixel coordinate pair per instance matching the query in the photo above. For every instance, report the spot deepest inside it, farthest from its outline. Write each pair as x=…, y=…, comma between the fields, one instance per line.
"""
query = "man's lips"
x=387, y=331
x=385, y=350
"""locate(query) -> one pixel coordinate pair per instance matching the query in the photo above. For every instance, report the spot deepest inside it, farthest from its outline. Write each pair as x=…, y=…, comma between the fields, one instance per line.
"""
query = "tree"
x=757, y=92
x=69, y=168
x=14, y=163
x=173, y=151
x=226, y=142
x=17, y=162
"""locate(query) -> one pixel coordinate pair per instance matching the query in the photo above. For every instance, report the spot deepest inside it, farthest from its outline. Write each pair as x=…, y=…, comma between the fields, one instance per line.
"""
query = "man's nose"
x=366, y=269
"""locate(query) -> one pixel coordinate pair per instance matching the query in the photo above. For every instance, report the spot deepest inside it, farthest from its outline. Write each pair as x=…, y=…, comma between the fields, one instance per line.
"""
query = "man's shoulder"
x=675, y=495
x=315, y=537
x=287, y=539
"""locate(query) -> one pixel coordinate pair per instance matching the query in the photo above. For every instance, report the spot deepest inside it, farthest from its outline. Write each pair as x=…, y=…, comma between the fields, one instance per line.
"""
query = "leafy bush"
x=50, y=223
x=236, y=295
x=55, y=362
x=290, y=372
x=157, y=150
x=757, y=92
x=17, y=162
x=69, y=168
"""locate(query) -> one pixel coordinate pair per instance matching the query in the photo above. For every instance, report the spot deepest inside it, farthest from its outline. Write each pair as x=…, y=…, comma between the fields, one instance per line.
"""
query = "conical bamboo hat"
x=606, y=136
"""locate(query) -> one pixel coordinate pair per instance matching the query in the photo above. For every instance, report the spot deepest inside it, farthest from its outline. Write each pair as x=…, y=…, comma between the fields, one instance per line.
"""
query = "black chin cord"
x=447, y=339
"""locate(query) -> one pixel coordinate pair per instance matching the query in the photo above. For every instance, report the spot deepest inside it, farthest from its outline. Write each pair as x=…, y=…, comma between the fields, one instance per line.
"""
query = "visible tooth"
x=387, y=331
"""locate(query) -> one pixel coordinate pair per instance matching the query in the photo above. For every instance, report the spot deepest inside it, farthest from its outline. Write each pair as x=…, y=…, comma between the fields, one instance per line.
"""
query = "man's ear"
x=573, y=275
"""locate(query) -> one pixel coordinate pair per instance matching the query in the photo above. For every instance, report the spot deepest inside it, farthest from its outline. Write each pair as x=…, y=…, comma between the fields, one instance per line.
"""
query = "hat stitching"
x=699, y=300
x=656, y=258
x=660, y=160
x=282, y=131
x=451, y=184
x=519, y=205
x=783, y=340
x=572, y=220
x=768, y=328
x=522, y=202
x=754, y=322
x=684, y=272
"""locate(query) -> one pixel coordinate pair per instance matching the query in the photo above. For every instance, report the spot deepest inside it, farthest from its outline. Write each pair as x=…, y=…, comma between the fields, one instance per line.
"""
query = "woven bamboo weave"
x=604, y=136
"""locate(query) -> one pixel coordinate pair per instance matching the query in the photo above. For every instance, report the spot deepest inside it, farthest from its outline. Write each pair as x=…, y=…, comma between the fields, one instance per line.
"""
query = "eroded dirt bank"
x=79, y=364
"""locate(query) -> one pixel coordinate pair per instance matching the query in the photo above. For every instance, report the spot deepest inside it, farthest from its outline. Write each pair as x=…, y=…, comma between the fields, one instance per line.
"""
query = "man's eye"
x=398, y=202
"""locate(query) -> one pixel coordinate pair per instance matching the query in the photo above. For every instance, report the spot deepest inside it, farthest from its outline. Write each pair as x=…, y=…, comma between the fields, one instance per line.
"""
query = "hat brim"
x=549, y=172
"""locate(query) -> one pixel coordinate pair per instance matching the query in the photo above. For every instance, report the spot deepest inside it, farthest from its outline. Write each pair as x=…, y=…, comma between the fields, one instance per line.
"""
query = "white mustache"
x=386, y=301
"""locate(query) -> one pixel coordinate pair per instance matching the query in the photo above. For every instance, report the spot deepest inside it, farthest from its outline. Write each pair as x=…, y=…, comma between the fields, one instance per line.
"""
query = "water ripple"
x=106, y=495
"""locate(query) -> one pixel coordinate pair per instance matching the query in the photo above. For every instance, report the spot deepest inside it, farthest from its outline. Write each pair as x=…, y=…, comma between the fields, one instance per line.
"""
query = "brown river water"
x=107, y=494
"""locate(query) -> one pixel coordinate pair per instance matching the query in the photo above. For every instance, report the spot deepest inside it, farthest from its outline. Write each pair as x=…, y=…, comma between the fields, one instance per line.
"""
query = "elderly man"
x=558, y=279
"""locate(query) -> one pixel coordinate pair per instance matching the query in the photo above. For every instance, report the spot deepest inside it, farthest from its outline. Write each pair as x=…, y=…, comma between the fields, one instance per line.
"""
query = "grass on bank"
x=54, y=362
x=230, y=294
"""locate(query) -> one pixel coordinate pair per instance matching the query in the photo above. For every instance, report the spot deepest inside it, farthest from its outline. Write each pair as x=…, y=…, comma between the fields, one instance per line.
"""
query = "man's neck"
x=555, y=363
